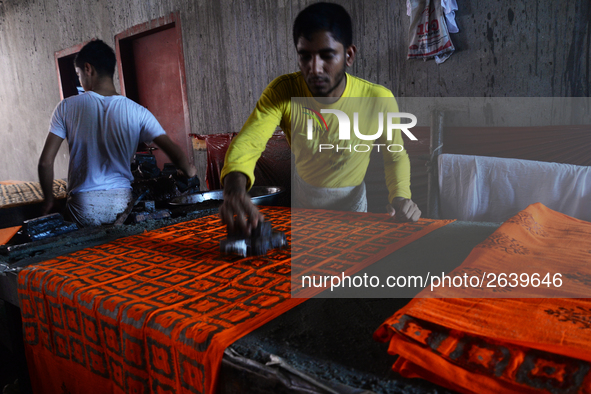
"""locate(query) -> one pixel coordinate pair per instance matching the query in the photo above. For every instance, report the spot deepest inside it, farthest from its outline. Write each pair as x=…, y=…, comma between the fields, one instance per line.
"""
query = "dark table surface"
x=330, y=339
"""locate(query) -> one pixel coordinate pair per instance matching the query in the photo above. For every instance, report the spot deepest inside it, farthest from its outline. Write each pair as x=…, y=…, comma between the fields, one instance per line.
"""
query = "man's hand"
x=238, y=212
x=47, y=206
x=404, y=210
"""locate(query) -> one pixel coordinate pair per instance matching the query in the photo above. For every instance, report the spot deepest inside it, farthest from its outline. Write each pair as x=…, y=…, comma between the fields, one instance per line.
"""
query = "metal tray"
x=259, y=195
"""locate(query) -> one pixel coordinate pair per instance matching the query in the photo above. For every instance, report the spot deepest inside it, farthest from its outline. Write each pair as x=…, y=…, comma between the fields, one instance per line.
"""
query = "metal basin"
x=259, y=195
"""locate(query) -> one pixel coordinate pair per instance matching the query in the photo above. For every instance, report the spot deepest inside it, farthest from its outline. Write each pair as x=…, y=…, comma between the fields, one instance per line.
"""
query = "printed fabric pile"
x=528, y=344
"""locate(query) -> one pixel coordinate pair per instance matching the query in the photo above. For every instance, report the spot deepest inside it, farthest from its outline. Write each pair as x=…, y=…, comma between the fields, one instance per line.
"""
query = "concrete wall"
x=234, y=48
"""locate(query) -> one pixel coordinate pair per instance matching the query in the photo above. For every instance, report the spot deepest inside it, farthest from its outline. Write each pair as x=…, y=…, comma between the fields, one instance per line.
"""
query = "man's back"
x=103, y=130
x=103, y=133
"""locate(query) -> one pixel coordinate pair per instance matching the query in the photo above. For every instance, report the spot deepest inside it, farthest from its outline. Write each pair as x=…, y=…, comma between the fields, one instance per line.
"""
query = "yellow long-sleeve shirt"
x=327, y=167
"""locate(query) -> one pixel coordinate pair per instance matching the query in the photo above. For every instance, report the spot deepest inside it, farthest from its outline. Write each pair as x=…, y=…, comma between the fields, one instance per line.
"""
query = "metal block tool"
x=261, y=240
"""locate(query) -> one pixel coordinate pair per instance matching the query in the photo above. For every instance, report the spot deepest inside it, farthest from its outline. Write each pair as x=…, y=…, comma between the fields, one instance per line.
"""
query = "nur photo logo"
x=344, y=129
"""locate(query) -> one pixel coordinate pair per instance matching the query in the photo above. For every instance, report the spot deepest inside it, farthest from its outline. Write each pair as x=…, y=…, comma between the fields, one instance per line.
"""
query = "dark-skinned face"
x=323, y=61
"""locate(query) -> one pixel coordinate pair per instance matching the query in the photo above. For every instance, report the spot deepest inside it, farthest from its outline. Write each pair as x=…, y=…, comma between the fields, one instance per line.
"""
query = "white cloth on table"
x=489, y=189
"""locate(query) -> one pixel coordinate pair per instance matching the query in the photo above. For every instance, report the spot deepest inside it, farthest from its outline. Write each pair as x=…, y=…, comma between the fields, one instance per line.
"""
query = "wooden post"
x=435, y=147
x=200, y=160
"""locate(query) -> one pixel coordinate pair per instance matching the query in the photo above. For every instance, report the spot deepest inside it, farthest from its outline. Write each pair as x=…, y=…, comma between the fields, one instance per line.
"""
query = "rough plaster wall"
x=234, y=48
x=30, y=33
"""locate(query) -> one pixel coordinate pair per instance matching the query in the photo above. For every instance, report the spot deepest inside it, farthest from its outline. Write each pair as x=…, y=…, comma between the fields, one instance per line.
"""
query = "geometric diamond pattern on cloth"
x=149, y=313
x=154, y=312
x=329, y=243
x=501, y=342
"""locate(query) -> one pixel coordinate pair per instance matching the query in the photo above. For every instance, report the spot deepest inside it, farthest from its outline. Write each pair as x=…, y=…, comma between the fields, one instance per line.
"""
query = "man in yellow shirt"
x=323, y=38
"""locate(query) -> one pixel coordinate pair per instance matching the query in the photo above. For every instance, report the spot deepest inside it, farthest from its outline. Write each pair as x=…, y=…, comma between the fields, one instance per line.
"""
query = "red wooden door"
x=152, y=73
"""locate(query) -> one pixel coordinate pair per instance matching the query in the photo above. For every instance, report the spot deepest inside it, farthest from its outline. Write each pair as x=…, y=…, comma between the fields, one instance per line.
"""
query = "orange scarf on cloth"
x=154, y=312
x=509, y=345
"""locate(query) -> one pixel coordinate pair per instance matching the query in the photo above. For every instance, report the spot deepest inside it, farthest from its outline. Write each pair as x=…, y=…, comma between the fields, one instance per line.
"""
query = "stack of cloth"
x=518, y=339
x=17, y=193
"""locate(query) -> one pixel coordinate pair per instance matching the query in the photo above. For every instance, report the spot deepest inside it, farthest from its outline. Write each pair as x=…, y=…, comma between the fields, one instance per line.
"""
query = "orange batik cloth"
x=153, y=313
x=506, y=345
x=343, y=243
x=148, y=313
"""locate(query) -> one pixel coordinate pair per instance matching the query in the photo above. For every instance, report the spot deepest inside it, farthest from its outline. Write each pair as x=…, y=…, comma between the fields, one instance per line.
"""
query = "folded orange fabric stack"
x=509, y=345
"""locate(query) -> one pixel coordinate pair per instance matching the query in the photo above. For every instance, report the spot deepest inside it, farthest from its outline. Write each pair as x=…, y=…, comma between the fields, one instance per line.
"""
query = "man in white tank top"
x=103, y=130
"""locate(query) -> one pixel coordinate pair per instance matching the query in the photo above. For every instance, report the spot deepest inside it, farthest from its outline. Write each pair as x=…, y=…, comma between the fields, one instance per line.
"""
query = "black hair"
x=99, y=55
x=329, y=17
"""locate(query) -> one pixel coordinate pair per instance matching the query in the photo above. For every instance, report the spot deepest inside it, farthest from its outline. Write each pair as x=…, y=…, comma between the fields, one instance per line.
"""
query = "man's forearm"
x=179, y=159
x=398, y=177
x=45, y=166
x=176, y=155
x=235, y=182
x=45, y=172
